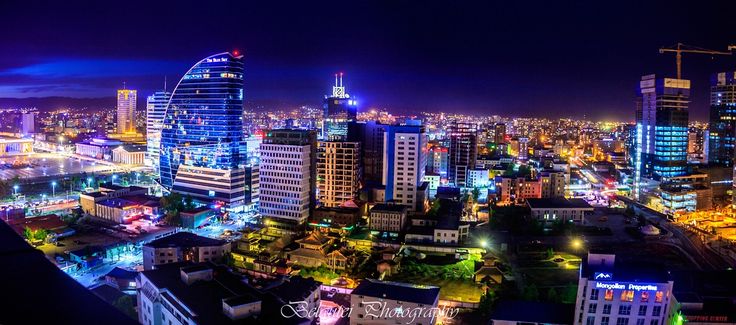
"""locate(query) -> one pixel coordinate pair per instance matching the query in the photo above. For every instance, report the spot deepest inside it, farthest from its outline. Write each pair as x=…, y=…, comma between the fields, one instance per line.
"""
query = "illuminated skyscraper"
x=126, y=110
x=338, y=172
x=722, y=126
x=340, y=110
x=202, y=132
x=463, y=152
x=288, y=175
x=155, y=109
x=662, y=127
x=404, y=164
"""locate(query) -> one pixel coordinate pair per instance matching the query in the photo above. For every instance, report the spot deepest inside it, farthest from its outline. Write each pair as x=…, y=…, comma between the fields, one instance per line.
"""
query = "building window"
x=640, y=321
x=656, y=310
x=642, y=310
x=604, y=320
x=590, y=320
x=622, y=321
x=654, y=322
x=658, y=297
x=627, y=295
x=645, y=296
x=592, y=308
x=607, y=309
x=594, y=294
x=624, y=310
x=608, y=295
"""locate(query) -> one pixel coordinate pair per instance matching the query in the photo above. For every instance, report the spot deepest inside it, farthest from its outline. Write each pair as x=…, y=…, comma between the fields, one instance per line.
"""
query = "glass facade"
x=203, y=123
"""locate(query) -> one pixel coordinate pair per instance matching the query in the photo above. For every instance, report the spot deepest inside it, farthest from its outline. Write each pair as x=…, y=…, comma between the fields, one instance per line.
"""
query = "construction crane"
x=682, y=48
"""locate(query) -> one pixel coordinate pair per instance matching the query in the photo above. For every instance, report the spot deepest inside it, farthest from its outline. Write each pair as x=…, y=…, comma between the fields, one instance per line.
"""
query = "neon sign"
x=602, y=276
x=630, y=286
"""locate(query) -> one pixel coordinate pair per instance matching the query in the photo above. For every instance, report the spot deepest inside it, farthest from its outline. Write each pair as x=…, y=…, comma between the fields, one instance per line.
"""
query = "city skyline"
x=472, y=61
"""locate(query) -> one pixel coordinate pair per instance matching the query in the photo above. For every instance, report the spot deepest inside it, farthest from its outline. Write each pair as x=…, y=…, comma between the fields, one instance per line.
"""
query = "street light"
x=577, y=243
x=114, y=177
x=15, y=189
x=53, y=189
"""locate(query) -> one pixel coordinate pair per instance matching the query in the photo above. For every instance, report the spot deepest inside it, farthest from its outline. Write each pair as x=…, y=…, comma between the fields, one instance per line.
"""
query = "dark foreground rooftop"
x=37, y=292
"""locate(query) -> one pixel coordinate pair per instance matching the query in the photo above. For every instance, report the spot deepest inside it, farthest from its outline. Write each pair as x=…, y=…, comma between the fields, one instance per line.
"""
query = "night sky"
x=513, y=58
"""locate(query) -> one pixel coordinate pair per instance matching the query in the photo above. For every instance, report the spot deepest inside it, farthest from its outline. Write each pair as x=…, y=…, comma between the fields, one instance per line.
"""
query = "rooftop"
x=64, y=299
x=390, y=207
x=421, y=294
x=185, y=239
x=558, y=203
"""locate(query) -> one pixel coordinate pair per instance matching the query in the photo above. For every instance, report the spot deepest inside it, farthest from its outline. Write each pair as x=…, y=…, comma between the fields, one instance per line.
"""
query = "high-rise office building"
x=662, y=127
x=338, y=172
x=462, y=152
x=126, y=110
x=202, y=132
x=370, y=134
x=339, y=111
x=288, y=177
x=404, y=163
x=722, y=126
x=155, y=109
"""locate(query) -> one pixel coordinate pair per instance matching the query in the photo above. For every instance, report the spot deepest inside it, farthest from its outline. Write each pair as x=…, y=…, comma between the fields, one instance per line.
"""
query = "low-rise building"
x=559, y=209
x=388, y=217
x=129, y=154
x=185, y=293
x=377, y=302
x=97, y=148
x=183, y=247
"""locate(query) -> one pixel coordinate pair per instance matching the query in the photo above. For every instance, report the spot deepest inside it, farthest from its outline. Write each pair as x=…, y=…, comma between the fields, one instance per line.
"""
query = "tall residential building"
x=339, y=111
x=28, y=123
x=126, y=110
x=438, y=161
x=288, y=177
x=155, y=109
x=338, y=172
x=499, y=134
x=370, y=134
x=462, y=152
x=662, y=127
x=202, y=132
x=722, y=124
x=404, y=162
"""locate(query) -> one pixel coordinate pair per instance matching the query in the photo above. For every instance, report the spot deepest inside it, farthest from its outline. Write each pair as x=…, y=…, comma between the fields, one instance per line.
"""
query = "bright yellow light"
x=577, y=243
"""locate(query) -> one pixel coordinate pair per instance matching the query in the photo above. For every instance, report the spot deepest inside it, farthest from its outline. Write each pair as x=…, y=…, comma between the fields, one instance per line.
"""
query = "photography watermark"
x=408, y=314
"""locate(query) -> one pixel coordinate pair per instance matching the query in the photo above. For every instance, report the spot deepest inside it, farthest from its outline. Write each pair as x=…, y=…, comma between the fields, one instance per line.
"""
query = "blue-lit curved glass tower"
x=203, y=124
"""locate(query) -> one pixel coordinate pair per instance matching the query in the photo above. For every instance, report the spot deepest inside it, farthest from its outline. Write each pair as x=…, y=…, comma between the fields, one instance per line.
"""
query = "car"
x=603, y=219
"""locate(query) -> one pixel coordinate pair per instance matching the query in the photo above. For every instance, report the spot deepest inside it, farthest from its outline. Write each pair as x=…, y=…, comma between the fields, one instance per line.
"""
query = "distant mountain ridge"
x=52, y=103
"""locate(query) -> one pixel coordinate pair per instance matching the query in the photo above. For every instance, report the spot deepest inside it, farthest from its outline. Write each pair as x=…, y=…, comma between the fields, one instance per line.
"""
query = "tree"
x=552, y=295
x=530, y=293
x=569, y=294
x=126, y=304
x=28, y=233
x=172, y=205
x=476, y=194
x=189, y=203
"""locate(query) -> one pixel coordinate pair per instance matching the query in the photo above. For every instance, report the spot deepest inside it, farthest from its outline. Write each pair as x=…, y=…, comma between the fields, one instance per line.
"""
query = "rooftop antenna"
x=338, y=91
x=164, y=83
x=123, y=85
